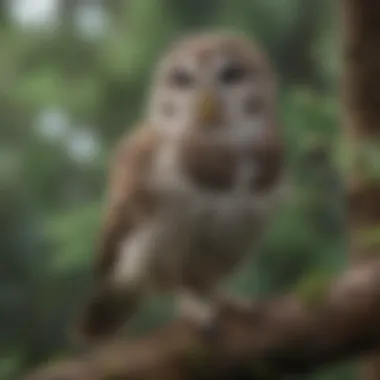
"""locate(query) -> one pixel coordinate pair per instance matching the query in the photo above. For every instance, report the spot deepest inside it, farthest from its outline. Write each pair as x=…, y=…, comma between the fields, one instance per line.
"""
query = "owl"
x=193, y=187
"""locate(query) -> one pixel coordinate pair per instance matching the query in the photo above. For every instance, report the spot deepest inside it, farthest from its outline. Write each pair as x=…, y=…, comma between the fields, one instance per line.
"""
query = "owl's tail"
x=106, y=312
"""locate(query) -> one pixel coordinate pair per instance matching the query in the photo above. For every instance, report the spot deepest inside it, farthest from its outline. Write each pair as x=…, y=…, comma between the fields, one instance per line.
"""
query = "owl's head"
x=213, y=83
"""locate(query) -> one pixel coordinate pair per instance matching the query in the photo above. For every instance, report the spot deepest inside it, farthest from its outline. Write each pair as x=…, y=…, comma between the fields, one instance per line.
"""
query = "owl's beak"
x=209, y=110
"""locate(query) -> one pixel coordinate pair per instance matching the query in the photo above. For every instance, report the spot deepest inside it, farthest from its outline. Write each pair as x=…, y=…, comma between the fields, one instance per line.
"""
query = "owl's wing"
x=129, y=199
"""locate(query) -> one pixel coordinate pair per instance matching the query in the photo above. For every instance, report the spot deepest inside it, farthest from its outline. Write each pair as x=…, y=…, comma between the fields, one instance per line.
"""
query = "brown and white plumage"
x=194, y=186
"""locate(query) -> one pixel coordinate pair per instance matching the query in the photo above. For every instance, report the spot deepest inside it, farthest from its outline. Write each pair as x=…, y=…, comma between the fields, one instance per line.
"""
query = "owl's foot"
x=209, y=329
x=200, y=312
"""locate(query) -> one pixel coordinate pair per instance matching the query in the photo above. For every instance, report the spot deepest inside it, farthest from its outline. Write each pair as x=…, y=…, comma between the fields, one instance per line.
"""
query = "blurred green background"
x=73, y=76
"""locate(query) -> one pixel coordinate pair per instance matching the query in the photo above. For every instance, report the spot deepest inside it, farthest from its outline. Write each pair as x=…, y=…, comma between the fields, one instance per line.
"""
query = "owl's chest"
x=204, y=216
x=207, y=189
x=224, y=170
x=206, y=173
x=210, y=209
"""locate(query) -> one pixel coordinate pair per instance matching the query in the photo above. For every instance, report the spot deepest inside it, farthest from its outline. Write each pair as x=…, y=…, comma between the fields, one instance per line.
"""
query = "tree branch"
x=289, y=334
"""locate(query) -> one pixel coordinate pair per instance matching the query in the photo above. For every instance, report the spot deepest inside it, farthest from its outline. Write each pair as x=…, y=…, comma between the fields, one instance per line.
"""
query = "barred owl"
x=193, y=187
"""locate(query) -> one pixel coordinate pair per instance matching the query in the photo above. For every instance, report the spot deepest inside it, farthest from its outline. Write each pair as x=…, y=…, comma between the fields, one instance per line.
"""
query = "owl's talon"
x=210, y=329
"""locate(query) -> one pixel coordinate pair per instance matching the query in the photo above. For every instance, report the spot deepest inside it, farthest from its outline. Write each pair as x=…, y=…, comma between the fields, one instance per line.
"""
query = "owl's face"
x=214, y=84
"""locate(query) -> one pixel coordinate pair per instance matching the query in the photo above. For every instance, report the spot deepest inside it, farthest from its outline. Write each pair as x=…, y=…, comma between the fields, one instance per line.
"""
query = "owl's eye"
x=233, y=74
x=181, y=78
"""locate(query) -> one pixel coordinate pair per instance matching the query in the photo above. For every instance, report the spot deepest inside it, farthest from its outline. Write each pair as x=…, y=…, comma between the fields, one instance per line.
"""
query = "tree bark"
x=361, y=98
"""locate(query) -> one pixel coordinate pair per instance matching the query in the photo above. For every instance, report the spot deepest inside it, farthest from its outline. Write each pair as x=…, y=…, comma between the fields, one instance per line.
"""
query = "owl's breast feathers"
x=214, y=166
